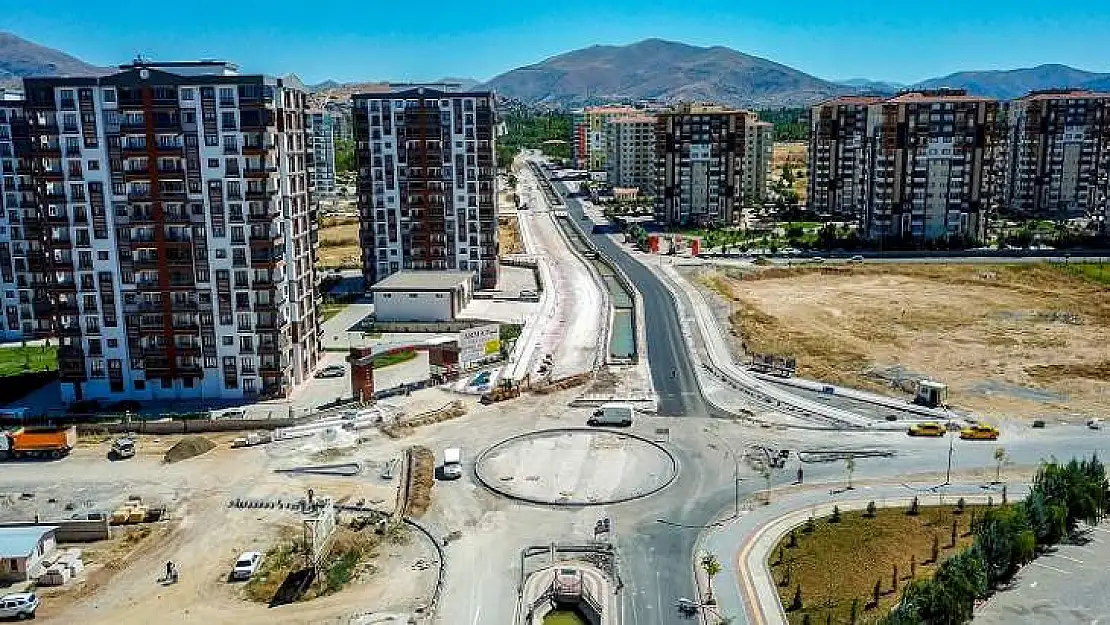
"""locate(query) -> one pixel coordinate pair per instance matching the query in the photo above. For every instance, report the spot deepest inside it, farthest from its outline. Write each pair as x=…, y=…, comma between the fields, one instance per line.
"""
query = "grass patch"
x=835, y=563
x=1098, y=273
x=330, y=309
x=20, y=360
x=386, y=360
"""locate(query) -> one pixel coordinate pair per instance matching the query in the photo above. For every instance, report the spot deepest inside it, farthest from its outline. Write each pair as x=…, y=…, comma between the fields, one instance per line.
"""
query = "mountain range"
x=650, y=69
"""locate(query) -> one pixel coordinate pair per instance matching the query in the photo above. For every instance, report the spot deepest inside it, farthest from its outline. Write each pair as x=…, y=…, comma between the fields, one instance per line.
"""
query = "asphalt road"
x=678, y=395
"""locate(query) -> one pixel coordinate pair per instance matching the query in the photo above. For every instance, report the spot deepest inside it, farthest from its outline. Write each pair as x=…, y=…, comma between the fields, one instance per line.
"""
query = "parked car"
x=452, y=463
x=1039, y=423
x=19, y=605
x=331, y=371
x=979, y=432
x=1095, y=423
x=816, y=260
x=926, y=429
x=246, y=565
x=233, y=414
x=856, y=259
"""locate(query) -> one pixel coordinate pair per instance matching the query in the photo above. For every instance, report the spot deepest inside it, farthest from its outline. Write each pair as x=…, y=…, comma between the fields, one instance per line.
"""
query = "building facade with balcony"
x=427, y=183
x=838, y=172
x=931, y=158
x=1057, y=154
x=699, y=157
x=321, y=126
x=162, y=231
x=630, y=143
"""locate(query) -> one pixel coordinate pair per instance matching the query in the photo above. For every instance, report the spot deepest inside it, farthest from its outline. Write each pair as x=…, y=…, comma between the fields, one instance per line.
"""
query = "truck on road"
x=38, y=442
x=612, y=414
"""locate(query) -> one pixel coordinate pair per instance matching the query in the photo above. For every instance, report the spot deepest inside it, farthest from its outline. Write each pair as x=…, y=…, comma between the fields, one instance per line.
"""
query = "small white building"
x=423, y=295
x=22, y=550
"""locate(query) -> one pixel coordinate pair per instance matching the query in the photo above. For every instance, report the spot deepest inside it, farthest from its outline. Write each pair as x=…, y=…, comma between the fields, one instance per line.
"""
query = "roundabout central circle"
x=576, y=467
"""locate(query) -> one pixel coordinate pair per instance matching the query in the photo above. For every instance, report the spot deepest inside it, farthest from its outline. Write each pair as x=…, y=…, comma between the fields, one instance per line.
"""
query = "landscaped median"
x=898, y=562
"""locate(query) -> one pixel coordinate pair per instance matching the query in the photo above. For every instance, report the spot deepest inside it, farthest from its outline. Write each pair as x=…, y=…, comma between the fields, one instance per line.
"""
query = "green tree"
x=712, y=567
x=344, y=155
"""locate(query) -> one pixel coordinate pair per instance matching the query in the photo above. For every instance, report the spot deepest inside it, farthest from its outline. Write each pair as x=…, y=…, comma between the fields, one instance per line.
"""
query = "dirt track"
x=1026, y=341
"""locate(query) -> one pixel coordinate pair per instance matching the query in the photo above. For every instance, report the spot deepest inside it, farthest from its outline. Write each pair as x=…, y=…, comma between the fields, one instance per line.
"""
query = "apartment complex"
x=160, y=228
x=427, y=182
x=919, y=165
x=1057, y=155
x=589, y=134
x=630, y=148
x=321, y=132
x=838, y=169
x=699, y=158
x=759, y=146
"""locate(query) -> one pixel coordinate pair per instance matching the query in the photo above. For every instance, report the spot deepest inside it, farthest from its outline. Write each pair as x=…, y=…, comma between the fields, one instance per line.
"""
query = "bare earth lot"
x=1025, y=341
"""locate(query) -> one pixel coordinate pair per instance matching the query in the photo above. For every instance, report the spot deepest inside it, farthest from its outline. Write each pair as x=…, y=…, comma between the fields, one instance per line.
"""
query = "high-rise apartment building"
x=427, y=182
x=1057, y=154
x=699, y=165
x=630, y=143
x=759, y=146
x=919, y=165
x=931, y=158
x=13, y=323
x=838, y=169
x=321, y=129
x=589, y=134
x=161, y=230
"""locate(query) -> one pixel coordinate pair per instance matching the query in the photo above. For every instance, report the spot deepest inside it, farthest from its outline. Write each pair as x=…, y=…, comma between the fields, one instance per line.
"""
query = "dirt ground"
x=793, y=154
x=508, y=235
x=204, y=533
x=1023, y=340
x=339, y=244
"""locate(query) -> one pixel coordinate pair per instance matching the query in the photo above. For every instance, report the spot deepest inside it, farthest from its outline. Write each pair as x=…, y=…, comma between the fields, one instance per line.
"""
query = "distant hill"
x=1014, y=83
x=20, y=58
x=877, y=86
x=663, y=70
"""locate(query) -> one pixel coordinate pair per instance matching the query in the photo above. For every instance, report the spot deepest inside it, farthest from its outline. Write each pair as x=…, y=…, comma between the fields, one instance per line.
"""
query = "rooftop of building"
x=610, y=109
x=144, y=71
x=704, y=109
x=18, y=542
x=1063, y=94
x=431, y=280
x=203, y=66
x=852, y=99
x=391, y=90
x=634, y=119
x=935, y=95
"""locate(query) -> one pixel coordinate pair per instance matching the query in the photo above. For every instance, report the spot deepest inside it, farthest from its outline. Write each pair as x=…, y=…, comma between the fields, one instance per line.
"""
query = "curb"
x=583, y=504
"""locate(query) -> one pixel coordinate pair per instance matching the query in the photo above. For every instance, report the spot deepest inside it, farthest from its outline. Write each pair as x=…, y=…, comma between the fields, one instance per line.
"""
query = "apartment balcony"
x=260, y=194
x=258, y=172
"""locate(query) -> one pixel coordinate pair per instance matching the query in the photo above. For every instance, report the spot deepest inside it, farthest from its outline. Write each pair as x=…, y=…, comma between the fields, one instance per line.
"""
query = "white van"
x=612, y=414
x=452, y=463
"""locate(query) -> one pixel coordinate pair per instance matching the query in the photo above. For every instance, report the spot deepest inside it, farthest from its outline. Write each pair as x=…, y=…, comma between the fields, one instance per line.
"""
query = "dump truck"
x=38, y=442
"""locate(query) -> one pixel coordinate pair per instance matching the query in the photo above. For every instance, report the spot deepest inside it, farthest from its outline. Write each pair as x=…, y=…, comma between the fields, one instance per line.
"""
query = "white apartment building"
x=161, y=231
x=630, y=147
x=321, y=126
x=759, y=145
x=427, y=182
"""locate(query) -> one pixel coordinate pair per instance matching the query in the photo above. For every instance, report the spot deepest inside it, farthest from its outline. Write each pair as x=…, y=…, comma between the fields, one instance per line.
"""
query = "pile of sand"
x=189, y=447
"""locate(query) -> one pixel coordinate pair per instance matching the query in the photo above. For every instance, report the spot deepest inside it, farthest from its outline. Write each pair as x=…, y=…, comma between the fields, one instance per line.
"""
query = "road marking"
x=1051, y=568
x=1069, y=558
x=477, y=613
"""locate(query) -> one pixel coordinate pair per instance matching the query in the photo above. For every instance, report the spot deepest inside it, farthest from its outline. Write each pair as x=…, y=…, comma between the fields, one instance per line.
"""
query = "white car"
x=19, y=605
x=246, y=565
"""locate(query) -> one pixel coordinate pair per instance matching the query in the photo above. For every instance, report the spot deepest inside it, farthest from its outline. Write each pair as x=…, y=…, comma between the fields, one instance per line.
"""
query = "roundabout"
x=576, y=467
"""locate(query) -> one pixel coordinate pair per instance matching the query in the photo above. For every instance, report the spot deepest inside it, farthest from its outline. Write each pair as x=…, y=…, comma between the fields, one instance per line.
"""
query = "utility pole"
x=948, y=474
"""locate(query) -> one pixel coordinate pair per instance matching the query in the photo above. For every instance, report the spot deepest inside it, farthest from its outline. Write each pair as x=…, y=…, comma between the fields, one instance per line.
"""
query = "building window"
x=187, y=93
x=140, y=385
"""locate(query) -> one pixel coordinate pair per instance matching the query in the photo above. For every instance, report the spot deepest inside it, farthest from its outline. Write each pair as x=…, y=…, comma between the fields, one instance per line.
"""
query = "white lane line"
x=1068, y=558
x=1051, y=568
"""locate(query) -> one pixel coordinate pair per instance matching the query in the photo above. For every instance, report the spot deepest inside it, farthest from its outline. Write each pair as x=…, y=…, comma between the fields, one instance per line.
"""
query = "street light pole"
x=948, y=474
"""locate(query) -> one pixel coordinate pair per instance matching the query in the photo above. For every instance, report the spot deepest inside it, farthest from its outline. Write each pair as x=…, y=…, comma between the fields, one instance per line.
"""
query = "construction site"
x=1025, y=341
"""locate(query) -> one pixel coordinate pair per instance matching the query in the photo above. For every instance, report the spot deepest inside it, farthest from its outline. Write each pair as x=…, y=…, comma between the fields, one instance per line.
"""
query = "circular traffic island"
x=576, y=467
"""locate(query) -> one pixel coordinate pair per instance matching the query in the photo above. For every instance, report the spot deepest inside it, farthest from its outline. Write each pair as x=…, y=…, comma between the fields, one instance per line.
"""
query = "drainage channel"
x=622, y=330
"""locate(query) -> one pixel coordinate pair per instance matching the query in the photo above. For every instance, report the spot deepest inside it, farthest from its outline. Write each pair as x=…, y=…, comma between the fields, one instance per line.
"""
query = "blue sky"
x=345, y=40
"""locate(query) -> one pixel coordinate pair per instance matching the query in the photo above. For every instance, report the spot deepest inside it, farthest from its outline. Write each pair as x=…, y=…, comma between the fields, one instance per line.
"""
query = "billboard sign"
x=479, y=344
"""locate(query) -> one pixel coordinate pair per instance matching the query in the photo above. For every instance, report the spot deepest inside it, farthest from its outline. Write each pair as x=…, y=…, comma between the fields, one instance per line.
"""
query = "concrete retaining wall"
x=187, y=427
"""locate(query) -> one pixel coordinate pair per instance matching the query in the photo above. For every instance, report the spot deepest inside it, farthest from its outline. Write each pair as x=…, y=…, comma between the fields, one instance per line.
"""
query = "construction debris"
x=399, y=428
x=419, y=479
